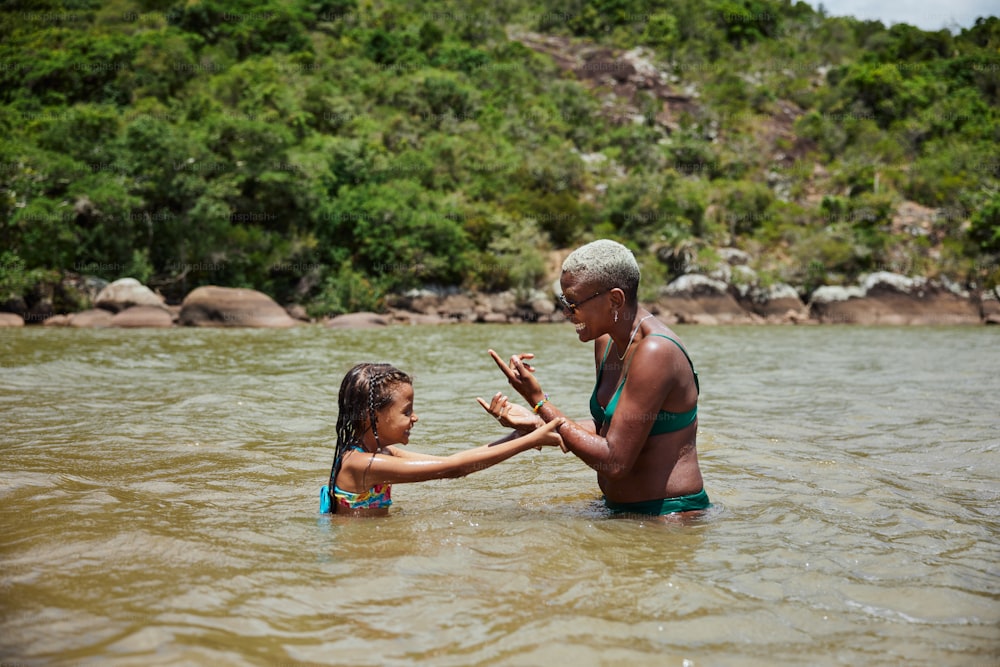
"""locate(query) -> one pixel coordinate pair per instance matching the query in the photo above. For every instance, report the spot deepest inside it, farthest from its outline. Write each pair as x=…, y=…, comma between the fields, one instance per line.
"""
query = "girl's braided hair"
x=366, y=389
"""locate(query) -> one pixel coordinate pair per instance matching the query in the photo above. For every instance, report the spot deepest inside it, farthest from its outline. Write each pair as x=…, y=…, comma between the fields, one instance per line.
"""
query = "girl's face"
x=397, y=418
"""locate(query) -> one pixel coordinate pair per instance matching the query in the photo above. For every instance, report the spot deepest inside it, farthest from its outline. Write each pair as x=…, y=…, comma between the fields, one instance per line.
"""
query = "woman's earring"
x=616, y=316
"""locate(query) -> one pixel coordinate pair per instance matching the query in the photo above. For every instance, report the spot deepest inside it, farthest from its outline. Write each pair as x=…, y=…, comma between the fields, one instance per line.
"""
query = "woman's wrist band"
x=540, y=403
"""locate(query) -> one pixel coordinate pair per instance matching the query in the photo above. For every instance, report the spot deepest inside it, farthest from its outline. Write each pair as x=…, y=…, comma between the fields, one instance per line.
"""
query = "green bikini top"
x=665, y=422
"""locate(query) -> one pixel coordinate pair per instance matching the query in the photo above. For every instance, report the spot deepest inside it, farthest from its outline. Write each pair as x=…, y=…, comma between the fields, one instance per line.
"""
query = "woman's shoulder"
x=663, y=335
x=661, y=343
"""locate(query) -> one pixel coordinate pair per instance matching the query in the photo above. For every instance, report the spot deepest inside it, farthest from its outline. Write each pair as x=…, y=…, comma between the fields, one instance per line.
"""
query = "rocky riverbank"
x=880, y=298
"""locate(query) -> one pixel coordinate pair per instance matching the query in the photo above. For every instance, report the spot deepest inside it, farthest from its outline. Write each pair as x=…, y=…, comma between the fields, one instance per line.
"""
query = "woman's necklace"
x=632, y=337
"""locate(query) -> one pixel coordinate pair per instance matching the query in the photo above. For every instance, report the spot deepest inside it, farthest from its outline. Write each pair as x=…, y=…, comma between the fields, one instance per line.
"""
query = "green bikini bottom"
x=694, y=501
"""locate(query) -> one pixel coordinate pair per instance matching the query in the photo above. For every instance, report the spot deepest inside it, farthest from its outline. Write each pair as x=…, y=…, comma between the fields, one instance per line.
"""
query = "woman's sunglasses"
x=571, y=307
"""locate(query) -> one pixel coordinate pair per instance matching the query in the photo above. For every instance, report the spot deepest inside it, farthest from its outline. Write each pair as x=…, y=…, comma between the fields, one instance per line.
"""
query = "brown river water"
x=159, y=497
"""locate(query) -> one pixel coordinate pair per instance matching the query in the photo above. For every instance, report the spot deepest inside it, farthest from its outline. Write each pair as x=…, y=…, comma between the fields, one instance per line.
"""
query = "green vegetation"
x=329, y=152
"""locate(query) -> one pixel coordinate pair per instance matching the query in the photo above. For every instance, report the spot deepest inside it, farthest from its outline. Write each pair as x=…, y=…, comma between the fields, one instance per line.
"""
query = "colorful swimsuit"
x=378, y=496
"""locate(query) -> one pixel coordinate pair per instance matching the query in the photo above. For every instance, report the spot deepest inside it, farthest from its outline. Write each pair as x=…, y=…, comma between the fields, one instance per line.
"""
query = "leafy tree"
x=986, y=224
x=746, y=21
x=393, y=233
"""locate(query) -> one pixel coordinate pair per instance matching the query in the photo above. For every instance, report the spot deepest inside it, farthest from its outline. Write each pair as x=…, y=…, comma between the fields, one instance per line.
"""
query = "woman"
x=642, y=440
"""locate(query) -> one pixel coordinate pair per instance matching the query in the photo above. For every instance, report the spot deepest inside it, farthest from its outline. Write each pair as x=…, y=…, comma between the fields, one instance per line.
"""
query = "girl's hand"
x=520, y=375
x=549, y=434
x=510, y=414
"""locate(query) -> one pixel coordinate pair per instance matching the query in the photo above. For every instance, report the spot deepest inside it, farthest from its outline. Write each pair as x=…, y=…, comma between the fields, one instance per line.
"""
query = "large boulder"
x=778, y=303
x=540, y=306
x=143, y=317
x=423, y=301
x=11, y=320
x=989, y=307
x=57, y=321
x=212, y=306
x=892, y=298
x=96, y=318
x=125, y=293
x=499, y=307
x=460, y=307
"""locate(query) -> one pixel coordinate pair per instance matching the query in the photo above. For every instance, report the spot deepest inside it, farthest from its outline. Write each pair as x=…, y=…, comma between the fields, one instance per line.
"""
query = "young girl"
x=376, y=415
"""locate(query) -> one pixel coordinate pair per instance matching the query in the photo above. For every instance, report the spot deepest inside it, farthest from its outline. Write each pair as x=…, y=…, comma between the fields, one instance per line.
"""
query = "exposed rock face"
x=630, y=77
x=499, y=308
x=143, y=317
x=125, y=293
x=361, y=320
x=729, y=293
x=694, y=284
x=890, y=298
x=989, y=308
x=429, y=307
x=458, y=306
x=698, y=299
x=777, y=303
x=401, y=316
x=212, y=306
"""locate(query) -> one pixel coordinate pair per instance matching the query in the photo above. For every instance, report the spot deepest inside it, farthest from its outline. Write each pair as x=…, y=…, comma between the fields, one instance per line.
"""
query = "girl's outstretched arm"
x=371, y=469
x=406, y=453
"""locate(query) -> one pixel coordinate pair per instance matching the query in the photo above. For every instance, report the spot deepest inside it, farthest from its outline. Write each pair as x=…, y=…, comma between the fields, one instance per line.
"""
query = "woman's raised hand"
x=520, y=374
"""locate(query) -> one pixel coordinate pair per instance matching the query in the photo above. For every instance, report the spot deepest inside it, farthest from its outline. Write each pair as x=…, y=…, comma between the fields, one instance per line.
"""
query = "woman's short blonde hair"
x=605, y=264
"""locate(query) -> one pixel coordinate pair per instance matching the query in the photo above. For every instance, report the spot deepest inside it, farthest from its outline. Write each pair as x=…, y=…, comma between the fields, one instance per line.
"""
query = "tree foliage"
x=330, y=152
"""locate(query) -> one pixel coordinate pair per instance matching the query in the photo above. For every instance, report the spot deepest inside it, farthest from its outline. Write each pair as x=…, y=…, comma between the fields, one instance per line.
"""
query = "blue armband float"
x=325, y=502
